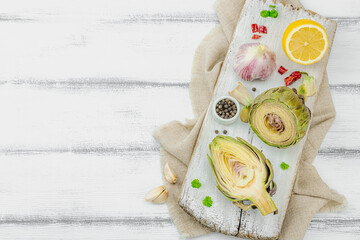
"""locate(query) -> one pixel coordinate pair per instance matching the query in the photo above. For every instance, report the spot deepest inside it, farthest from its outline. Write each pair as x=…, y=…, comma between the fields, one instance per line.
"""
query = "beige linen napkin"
x=310, y=193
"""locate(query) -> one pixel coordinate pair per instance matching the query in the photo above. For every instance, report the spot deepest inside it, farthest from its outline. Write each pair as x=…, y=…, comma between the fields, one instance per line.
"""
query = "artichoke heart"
x=279, y=117
x=242, y=174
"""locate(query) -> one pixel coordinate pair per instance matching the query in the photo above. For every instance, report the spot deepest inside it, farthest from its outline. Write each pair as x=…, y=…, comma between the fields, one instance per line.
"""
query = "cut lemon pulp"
x=305, y=41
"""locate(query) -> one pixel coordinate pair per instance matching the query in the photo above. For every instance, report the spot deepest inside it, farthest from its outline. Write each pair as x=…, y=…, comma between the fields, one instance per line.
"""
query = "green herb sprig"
x=270, y=13
x=265, y=13
x=196, y=183
x=284, y=166
x=207, y=201
x=274, y=13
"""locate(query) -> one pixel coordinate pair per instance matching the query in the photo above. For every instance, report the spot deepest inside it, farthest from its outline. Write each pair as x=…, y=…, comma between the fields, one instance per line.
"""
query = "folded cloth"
x=310, y=193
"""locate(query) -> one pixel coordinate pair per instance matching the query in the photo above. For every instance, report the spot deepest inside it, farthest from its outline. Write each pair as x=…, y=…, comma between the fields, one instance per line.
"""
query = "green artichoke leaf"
x=308, y=87
x=242, y=173
x=279, y=117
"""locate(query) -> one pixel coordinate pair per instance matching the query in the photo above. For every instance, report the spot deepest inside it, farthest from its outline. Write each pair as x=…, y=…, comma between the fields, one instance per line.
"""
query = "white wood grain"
x=88, y=50
x=251, y=223
x=82, y=187
x=99, y=118
x=91, y=194
x=67, y=187
x=115, y=232
x=89, y=185
x=112, y=9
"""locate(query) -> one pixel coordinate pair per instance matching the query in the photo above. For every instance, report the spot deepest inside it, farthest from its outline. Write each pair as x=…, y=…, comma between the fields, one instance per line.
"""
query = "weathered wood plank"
x=69, y=187
x=110, y=9
x=318, y=223
x=118, y=83
x=80, y=118
x=251, y=224
x=56, y=193
x=116, y=232
x=88, y=50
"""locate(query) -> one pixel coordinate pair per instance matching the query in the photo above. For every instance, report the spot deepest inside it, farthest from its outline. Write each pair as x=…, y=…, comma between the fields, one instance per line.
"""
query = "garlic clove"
x=169, y=174
x=155, y=193
x=161, y=198
x=242, y=95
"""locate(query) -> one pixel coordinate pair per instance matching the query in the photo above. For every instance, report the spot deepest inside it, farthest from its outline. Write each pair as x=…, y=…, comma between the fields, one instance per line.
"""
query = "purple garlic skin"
x=254, y=61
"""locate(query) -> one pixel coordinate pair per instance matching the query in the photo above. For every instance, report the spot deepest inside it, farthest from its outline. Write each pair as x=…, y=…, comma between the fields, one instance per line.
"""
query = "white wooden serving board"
x=224, y=216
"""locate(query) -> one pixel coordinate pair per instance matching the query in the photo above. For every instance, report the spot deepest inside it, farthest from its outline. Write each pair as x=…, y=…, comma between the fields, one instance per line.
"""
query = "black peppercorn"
x=226, y=108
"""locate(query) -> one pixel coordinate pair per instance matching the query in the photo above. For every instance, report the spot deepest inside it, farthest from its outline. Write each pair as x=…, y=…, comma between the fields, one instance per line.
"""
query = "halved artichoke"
x=242, y=173
x=279, y=117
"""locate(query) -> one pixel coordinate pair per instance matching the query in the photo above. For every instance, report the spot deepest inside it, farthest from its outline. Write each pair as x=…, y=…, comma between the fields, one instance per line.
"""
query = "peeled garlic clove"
x=242, y=95
x=155, y=193
x=169, y=174
x=162, y=197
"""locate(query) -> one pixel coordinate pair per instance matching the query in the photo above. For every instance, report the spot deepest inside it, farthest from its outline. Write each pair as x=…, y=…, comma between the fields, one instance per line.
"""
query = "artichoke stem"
x=244, y=114
x=264, y=203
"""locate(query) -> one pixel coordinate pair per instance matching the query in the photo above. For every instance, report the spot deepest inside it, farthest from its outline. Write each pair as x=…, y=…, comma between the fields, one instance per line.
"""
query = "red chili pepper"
x=282, y=70
x=254, y=28
x=262, y=29
x=256, y=36
x=293, y=77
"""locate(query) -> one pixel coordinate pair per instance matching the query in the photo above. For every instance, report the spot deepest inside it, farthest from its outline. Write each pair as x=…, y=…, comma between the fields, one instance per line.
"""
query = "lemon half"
x=305, y=41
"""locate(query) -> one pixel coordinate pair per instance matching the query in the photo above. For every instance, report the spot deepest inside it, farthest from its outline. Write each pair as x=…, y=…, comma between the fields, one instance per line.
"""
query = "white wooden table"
x=84, y=83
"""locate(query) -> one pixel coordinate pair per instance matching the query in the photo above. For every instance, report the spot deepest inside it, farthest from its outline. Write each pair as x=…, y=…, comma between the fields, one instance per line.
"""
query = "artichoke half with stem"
x=242, y=174
x=278, y=116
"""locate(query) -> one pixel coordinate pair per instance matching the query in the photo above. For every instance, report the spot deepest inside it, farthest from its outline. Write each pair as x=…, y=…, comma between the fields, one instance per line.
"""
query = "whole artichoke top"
x=279, y=117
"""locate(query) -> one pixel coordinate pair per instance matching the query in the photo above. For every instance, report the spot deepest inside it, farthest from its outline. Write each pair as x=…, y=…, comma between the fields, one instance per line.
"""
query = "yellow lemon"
x=305, y=41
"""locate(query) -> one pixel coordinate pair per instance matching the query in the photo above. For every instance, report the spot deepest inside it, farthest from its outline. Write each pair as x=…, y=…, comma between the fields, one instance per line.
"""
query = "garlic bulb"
x=254, y=61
